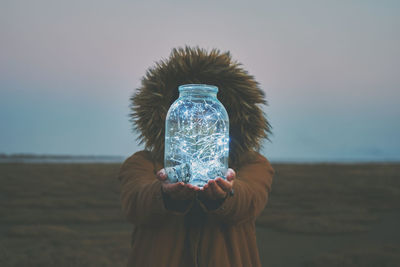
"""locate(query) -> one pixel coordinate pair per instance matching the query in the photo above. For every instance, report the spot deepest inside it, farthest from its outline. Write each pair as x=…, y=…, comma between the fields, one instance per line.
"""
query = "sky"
x=330, y=71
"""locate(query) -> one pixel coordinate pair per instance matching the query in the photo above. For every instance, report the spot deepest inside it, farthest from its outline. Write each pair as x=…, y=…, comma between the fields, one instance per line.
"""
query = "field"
x=318, y=215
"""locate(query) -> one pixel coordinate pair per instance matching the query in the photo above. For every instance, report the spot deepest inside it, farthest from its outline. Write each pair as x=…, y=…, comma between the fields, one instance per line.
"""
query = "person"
x=177, y=224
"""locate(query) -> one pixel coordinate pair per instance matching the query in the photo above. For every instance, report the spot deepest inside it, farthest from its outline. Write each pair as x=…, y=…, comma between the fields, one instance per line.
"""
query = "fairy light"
x=197, y=140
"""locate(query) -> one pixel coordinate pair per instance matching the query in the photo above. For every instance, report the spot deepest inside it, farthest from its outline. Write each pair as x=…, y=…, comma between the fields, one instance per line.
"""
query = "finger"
x=207, y=191
x=167, y=188
x=206, y=186
x=172, y=188
x=162, y=175
x=225, y=185
x=217, y=190
x=192, y=187
x=230, y=174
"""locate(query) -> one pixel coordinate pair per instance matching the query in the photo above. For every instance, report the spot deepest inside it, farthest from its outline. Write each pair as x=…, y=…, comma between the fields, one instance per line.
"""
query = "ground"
x=317, y=215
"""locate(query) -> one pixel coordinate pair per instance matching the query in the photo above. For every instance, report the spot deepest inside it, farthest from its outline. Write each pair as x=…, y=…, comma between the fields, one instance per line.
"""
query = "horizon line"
x=9, y=157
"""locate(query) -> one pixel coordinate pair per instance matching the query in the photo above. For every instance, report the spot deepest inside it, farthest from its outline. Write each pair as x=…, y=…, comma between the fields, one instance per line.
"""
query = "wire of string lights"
x=196, y=136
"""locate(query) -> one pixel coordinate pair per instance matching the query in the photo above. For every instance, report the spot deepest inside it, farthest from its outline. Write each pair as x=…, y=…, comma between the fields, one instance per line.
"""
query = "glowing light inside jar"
x=197, y=140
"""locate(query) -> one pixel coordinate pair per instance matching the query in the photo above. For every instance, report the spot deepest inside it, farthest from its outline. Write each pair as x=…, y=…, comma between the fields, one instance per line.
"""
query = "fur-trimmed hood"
x=237, y=91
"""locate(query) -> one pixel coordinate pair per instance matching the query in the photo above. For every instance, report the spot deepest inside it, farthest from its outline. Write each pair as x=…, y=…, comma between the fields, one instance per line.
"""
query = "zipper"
x=196, y=251
x=199, y=237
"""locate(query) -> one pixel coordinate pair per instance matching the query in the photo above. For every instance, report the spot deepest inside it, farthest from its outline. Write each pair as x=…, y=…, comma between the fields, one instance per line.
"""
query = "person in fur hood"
x=176, y=224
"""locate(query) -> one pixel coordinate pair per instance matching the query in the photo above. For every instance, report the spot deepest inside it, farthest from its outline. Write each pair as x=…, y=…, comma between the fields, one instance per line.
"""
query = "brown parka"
x=196, y=232
x=169, y=233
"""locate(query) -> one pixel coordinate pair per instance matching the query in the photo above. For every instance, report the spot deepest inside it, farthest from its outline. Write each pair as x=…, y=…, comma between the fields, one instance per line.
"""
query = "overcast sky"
x=330, y=70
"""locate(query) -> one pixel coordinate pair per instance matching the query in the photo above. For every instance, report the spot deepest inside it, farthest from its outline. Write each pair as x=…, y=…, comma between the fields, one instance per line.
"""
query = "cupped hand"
x=219, y=188
x=179, y=190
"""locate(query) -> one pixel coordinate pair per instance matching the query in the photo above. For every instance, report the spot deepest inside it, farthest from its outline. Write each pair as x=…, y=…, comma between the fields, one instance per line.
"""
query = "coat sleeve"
x=142, y=199
x=251, y=190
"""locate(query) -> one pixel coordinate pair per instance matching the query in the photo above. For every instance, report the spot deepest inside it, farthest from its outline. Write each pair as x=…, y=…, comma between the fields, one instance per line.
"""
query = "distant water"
x=119, y=159
x=61, y=159
x=336, y=160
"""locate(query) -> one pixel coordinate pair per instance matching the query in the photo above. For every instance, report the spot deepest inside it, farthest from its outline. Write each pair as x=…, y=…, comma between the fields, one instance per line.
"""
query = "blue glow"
x=196, y=136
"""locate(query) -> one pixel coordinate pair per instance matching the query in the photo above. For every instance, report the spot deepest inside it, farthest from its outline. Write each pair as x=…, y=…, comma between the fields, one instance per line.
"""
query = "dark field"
x=318, y=215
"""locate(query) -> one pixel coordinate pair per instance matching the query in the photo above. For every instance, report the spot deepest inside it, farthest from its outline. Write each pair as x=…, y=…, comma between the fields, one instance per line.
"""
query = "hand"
x=219, y=188
x=178, y=191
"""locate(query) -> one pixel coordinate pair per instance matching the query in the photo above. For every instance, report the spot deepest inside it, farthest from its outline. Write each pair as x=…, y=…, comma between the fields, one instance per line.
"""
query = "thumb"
x=230, y=174
x=161, y=175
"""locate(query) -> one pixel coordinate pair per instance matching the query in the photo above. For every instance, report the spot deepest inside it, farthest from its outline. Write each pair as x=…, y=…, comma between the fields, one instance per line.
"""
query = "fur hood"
x=237, y=91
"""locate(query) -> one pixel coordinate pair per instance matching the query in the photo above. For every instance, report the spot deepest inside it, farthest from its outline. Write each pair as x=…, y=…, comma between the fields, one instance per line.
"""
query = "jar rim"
x=194, y=86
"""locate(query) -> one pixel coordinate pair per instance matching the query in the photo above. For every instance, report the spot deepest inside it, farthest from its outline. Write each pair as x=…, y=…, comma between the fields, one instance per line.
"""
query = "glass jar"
x=196, y=136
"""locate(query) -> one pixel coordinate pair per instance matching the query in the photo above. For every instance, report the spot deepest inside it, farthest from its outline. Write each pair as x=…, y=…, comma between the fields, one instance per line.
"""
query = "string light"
x=197, y=136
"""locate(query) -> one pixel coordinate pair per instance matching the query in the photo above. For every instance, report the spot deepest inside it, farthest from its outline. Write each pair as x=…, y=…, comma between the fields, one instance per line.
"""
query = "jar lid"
x=202, y=87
